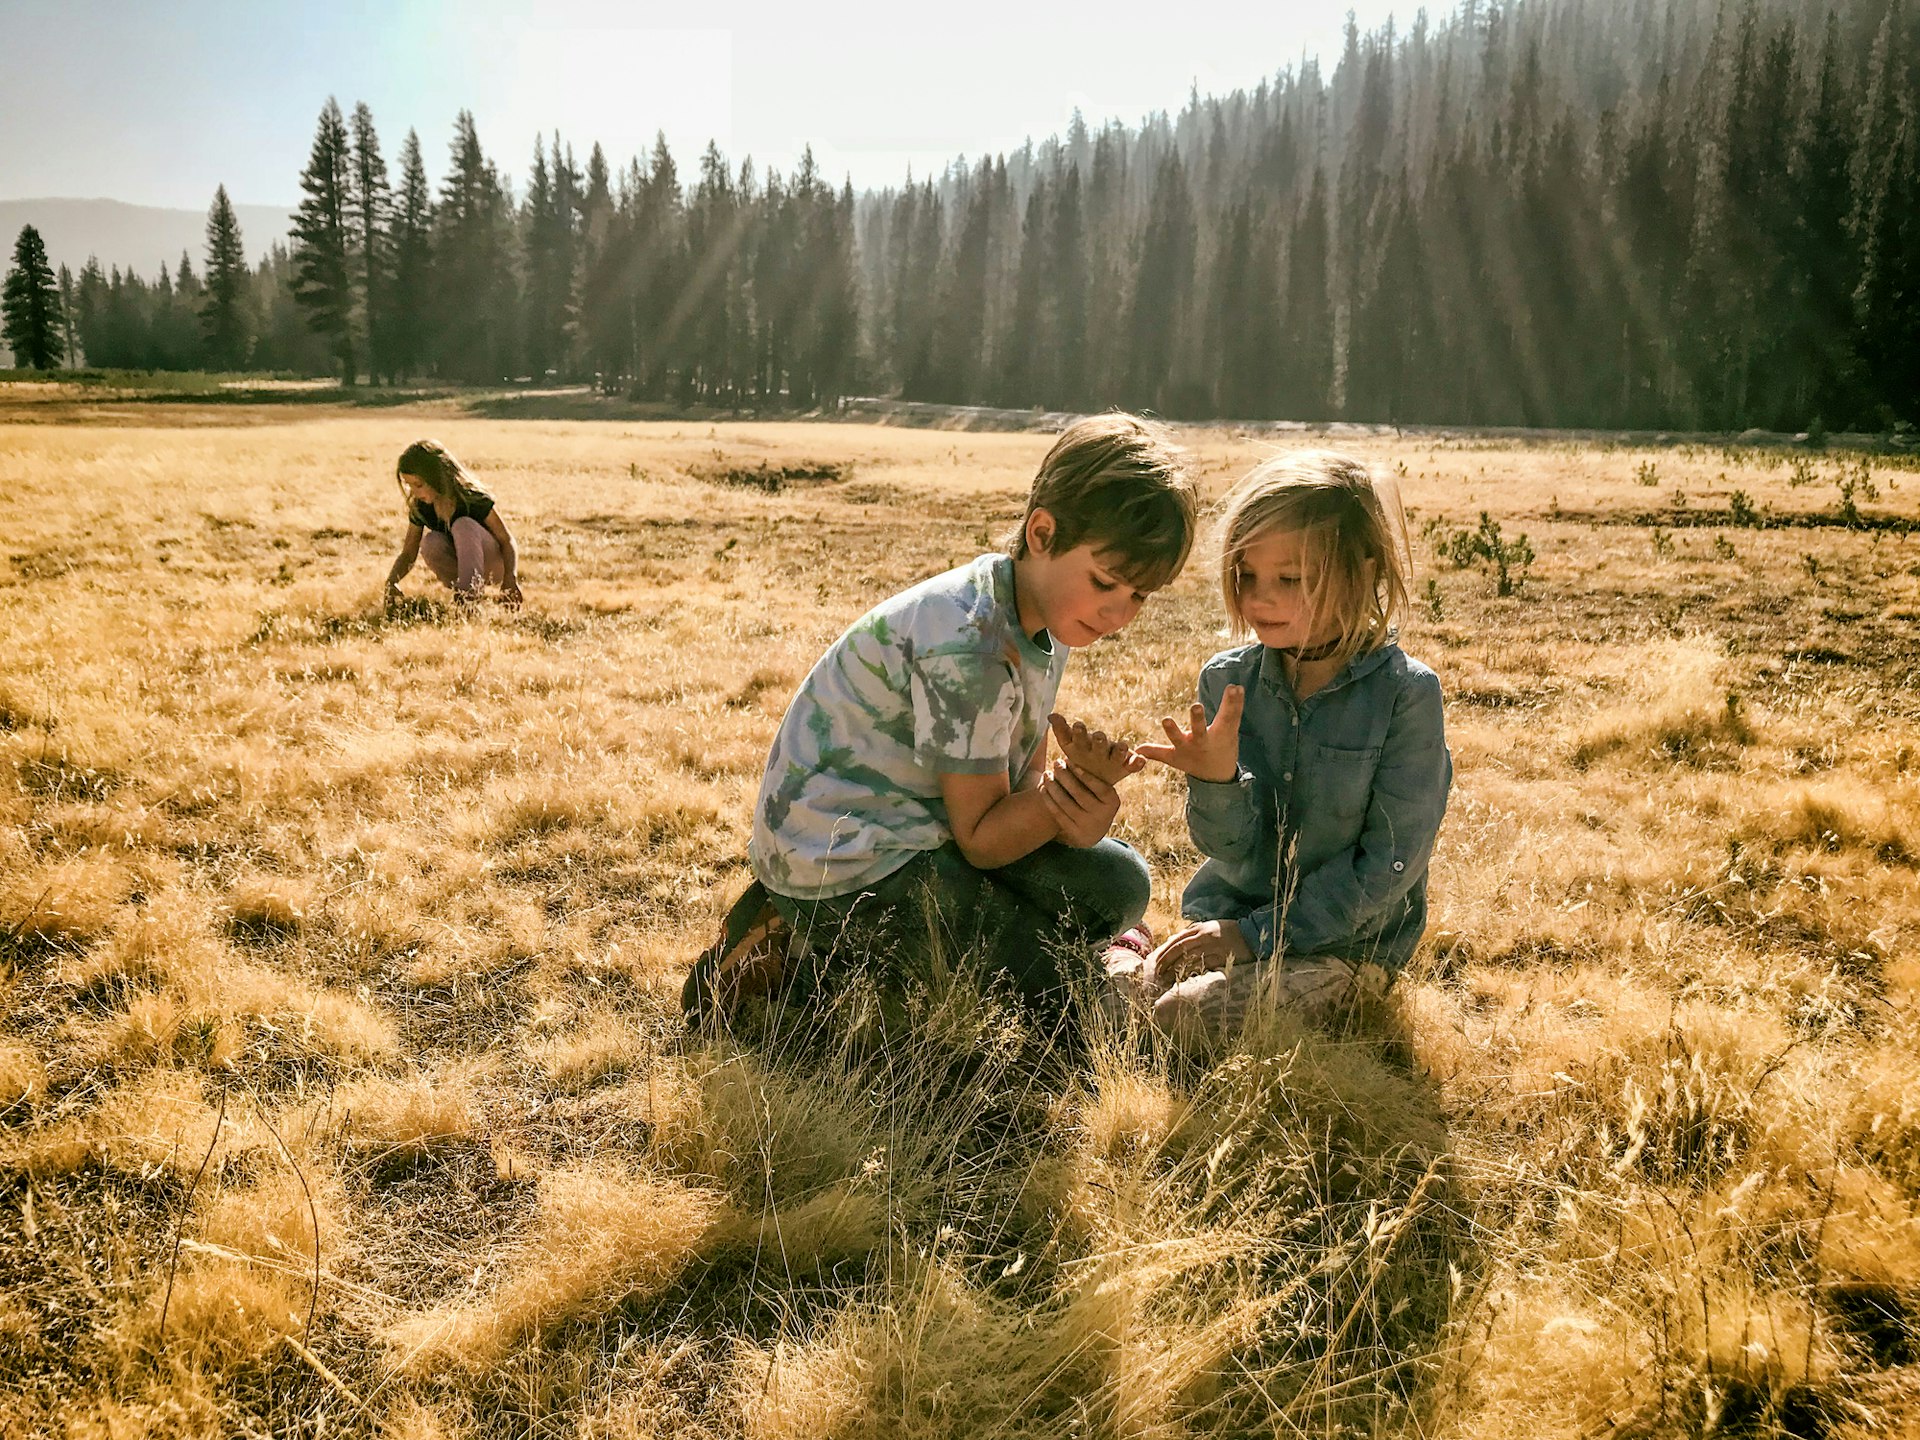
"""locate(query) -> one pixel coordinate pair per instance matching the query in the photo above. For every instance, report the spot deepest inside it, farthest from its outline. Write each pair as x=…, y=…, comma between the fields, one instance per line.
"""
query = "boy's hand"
x=1092, y=753
x=1203, y=946
x=1082, y=806
x=1206, y=752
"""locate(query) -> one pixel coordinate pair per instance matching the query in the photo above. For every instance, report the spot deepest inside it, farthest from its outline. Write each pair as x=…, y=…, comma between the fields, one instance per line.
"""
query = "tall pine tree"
x=369, y=225
x=31, y=306
x=323, y=238
x=410, y=308
x=223, y=308
x=472, y=261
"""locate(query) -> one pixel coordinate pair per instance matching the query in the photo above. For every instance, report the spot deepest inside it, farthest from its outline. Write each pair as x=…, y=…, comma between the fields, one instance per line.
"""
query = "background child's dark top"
x=470, y=507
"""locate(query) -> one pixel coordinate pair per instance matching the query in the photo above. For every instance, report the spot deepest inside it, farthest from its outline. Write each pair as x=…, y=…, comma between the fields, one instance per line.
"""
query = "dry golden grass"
x=599, y=1239
x=344, y=943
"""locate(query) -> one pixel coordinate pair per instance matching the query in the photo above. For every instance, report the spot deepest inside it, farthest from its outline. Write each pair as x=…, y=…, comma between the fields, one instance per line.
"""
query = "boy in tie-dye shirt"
x=908, y=793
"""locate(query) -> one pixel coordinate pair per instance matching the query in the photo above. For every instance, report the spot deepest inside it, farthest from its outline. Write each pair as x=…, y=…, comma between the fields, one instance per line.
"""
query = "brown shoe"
x=748, y=961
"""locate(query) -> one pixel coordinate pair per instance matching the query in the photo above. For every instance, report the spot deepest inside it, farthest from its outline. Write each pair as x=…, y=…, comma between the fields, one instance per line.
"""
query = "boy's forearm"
x=1011, y=828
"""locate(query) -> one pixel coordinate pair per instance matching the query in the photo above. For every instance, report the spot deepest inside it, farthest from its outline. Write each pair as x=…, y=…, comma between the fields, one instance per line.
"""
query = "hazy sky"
x=128, y=101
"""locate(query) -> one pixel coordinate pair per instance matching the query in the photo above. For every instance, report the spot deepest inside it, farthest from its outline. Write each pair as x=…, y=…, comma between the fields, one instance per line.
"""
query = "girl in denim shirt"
x=1316, y=759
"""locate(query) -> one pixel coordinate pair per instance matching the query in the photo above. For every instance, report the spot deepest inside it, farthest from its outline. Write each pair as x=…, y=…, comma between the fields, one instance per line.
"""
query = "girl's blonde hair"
x=1357, y=560
x=432, y=462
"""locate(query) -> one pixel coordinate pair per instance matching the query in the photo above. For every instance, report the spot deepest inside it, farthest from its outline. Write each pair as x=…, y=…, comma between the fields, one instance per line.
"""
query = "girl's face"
x=1288, y=605
x=418, y=489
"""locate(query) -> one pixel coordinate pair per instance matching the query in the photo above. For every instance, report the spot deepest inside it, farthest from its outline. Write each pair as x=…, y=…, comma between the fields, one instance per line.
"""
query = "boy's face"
x=1077, y=596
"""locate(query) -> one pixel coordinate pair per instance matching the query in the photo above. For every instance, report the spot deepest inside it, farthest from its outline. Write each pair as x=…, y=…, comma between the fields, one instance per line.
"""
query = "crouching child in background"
x=909, y=807
x=454, y=526
x=1316, y=759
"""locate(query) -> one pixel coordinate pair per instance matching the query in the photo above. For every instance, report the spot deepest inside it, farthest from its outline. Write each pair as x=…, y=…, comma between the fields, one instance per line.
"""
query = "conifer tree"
x=837, y=358
x=1307, y=376
x=223, y=305
x=917, y=227
x=31, y=305
x=605, y=322
x=1887, y=298
x=1244, y=318
x=410, y=306
x=1064, y=377
x=655, y=259
x=714, y=236
x=69, y=344
x=90, y=298
x=471, y=264
x=1109, y=223
x=369, y=224
x=1822, y=259
x=1026, y=340
x=1162, y=294
x=960, y=325
x=322, y=230
x=550, y=218
x=185, y=344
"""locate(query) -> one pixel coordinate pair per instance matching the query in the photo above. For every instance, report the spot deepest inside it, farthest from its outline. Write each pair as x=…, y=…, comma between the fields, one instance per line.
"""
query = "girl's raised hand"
x=1206, y=752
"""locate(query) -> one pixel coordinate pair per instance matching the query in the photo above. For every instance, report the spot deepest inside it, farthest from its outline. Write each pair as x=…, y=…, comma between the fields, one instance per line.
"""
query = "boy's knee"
x=1126, y=885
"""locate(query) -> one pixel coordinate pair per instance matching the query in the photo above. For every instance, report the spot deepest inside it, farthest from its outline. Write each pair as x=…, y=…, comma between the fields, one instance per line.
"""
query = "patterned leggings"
x=1217, y=1003
x=466, y=559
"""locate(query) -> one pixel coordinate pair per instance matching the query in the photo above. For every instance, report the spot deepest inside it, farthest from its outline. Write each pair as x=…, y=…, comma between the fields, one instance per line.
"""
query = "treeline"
x=735, y=290
x=222, y=315
x=1645, y=213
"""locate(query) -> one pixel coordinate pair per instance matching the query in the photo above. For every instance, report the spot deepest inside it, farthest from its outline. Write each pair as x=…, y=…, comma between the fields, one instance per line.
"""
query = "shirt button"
x=1296, y=719
x=1399, y=865
x=1288, y=776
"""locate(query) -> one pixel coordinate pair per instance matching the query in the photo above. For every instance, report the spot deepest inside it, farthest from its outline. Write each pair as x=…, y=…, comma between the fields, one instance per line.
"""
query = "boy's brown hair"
x=1120, y=483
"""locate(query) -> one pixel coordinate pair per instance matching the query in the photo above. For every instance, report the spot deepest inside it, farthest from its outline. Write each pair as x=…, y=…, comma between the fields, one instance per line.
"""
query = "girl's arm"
x=403, y=562
x=1353, y=890
x=510, y=579
x=1229, y=812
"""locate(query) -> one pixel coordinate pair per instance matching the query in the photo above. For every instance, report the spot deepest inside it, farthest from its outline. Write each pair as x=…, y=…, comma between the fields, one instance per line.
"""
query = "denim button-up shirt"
x=1320, y=845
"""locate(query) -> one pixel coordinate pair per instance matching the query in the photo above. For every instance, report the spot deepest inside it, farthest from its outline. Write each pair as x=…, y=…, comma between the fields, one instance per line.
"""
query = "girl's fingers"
x=1231, y=704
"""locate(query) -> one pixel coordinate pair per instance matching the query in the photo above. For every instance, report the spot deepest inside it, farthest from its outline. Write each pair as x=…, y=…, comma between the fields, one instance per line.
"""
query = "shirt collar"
x=1273, y=673
x=1041, y=651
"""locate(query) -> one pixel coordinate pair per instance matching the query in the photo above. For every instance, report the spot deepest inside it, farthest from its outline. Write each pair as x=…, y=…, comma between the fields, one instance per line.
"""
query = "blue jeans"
x=1027, y=920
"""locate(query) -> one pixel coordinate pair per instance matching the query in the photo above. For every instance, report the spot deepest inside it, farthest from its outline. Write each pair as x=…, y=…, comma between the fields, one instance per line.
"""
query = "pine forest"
x=1635, y=214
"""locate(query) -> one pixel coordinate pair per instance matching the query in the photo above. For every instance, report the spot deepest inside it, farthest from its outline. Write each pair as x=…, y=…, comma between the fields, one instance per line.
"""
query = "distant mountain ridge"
x=137, y=237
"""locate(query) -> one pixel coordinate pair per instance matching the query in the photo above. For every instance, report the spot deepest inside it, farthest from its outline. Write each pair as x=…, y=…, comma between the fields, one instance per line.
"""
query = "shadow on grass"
x=1085, y=1223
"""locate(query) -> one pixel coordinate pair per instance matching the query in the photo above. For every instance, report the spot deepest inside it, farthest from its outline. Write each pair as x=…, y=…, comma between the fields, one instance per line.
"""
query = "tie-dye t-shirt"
x=938, y=680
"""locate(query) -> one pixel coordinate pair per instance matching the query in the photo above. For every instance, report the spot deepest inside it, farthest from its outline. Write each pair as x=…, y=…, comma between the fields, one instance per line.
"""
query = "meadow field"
x=342, y=1083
